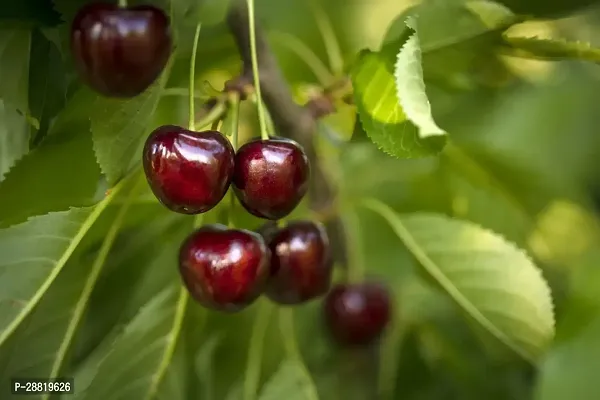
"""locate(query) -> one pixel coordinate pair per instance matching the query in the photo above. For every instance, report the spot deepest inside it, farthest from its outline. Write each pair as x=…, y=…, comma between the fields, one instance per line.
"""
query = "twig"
x=291, y=120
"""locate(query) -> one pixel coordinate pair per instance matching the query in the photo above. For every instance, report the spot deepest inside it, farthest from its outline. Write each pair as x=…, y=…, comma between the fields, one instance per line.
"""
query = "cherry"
x=189, y=172
x=224, y=269
x=301, y=264
x=270, y=177
x=120, y=52
x=356, y=314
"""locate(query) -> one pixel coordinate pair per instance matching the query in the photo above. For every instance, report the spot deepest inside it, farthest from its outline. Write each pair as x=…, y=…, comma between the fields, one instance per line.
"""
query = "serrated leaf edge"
x=419, y=111
x=389, y=215
x=95, y=213
x=573, y=49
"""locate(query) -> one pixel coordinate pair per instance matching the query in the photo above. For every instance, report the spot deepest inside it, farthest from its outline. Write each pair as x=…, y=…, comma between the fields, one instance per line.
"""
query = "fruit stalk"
x=296, y=121
x=255, y=73
x=192, y=119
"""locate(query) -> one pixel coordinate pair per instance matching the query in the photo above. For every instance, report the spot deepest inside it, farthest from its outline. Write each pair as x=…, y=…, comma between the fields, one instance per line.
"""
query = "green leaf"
x=494, y=282
x=204, y=365
x=474, y=188
x=47, y=82
x=492, y=14
x=570, y=366
x=60, y=174
x=446, y=23
x=119, y=128
x=380, y=113
x=458, y=39
x=33, y=254
x=551, y=49
x=208, y=12
x=14, y=67
x=14, y=138
x=34, y=12
x=411, y=87
x=288, y=382
x=32, y=350
x=135, y=365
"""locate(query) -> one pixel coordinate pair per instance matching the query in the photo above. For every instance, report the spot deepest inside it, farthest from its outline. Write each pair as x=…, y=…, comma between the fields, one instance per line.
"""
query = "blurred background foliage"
x=523, y=162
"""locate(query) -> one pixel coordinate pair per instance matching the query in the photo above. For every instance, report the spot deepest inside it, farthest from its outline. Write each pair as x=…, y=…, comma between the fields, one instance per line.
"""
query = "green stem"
x=288, y=335
x=213, y=115
x=255, y=350
x=332, y=46
x=122, y=3
x=270, y=124
x=192, y=120
x=183, y=92
x=234, y=110
x=259, y=105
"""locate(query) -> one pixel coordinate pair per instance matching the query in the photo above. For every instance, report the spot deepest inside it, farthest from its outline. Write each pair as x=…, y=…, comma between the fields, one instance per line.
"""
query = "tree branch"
x=291, y=119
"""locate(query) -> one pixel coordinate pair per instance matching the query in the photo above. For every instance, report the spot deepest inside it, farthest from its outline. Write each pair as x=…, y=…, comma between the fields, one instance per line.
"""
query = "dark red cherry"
x=357, y=314
x=120, y=52
x=271, y=177
x=224, y=269
x=189, y=172
x=301, y=264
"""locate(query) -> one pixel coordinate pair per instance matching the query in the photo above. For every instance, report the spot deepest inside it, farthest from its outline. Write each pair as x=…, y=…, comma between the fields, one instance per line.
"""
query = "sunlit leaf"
x=494, y=282
x=410, y=86
x=457, y=38
x=379, y=109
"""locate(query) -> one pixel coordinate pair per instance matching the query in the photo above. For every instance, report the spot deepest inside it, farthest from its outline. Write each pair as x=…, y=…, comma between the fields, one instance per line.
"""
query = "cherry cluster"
x=120, y=52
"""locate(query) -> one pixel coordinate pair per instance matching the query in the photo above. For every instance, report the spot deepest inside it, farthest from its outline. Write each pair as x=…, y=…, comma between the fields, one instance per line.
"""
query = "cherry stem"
x=259, y=105
x=214, y=115
x=234, y=110
x=332, y=46
x=183, y=92
x=192, y=121
x=290, y=343
x=122, y=3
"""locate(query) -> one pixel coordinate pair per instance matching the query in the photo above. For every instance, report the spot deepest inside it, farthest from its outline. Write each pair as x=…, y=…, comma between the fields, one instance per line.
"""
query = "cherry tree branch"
x=290, y=119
